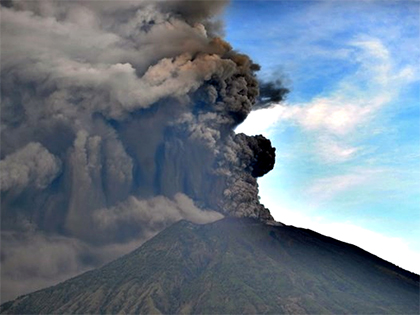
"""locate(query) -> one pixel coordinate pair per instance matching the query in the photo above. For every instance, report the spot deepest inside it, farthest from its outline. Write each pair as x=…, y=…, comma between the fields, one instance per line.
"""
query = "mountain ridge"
x=234, y=266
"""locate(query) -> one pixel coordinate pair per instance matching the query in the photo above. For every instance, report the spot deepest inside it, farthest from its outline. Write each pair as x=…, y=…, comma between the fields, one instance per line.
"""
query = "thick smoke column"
x=117, y=120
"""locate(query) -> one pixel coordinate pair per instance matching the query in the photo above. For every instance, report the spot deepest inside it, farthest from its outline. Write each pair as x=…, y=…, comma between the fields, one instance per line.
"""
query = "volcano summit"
x=234, y=266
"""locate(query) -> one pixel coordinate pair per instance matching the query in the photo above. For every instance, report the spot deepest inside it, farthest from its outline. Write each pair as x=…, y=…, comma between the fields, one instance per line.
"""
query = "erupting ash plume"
x=117, y=120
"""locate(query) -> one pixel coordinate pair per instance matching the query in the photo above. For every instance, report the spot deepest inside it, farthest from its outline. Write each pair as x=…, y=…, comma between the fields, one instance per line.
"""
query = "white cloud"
x=333, y=151
x=265, y=121
x=373, y=47
x=335, y=120
x=328, y=187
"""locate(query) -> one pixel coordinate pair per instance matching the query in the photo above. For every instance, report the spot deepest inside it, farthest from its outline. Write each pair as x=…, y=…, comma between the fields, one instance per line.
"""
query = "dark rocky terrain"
x=234, y=266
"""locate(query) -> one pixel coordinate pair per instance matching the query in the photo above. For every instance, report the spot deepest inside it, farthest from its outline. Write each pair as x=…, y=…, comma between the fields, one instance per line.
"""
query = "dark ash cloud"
x=271, y=92
x=117, y=120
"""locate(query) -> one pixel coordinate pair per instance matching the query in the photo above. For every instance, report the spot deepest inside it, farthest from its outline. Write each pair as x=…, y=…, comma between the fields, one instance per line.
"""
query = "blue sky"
x=348, y=136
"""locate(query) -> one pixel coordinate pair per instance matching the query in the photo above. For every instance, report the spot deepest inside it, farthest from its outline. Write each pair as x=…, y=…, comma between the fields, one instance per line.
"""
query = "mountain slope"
x=234, y=266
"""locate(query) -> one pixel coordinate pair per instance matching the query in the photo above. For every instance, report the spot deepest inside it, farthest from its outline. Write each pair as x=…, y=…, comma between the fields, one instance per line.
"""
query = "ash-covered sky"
x=118, y=120
x=348, y=136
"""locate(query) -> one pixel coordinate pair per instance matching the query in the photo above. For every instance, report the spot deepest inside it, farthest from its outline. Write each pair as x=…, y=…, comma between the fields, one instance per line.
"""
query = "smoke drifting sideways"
x=270, y=93
x=117, y=120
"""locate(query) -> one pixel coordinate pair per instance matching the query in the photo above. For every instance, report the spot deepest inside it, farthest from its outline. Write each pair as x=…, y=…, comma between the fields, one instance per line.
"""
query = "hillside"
x=234, y=266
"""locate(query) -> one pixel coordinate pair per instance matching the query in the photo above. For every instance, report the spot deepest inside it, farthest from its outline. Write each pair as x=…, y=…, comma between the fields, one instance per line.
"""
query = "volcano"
x=234, y=265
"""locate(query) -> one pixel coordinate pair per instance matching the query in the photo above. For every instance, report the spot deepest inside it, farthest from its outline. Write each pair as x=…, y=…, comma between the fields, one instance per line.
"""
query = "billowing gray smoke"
x=117, y=120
